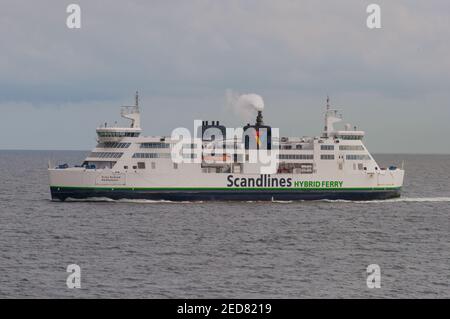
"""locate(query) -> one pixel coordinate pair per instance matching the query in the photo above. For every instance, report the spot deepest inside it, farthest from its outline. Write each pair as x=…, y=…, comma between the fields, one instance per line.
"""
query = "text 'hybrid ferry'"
x=251, y=163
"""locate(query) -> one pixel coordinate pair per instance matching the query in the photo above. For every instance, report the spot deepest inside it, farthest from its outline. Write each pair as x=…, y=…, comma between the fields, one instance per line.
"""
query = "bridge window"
x=106, y=154
x=350, y=137
x=113, y=145
x=118, y=134
x=327, y=147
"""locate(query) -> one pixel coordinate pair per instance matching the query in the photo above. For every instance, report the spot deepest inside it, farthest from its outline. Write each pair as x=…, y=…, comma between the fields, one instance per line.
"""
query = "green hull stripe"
x=225, y=188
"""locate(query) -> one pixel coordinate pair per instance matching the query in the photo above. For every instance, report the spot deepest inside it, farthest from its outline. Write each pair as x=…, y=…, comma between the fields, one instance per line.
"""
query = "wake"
x=419, y=199
x=130, y=201
x=148, y=201
x=394, y=200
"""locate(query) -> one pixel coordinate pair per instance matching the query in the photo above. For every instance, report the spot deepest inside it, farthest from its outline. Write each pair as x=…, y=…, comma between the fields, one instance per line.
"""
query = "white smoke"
x=244, y=105
x=251, y=100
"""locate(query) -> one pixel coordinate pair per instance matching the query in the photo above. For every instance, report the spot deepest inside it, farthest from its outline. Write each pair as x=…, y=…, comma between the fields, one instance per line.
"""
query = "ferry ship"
x=127, y=165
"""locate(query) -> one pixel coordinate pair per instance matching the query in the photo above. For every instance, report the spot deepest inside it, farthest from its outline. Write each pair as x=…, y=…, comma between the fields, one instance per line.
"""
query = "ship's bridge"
x=333, y=116
x=114, y=134
x=348, y=135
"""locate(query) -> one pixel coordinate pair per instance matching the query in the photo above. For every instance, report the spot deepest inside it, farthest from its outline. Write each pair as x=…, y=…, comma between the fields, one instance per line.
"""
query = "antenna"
x=131, y=112
x=328, y=103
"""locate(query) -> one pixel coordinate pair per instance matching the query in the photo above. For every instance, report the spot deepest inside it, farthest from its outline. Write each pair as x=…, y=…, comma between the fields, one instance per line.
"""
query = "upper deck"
x=122, y=148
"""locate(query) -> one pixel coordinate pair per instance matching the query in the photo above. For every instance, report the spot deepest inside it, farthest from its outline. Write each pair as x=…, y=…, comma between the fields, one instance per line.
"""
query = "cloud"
x=185, y=45
x=192, y=51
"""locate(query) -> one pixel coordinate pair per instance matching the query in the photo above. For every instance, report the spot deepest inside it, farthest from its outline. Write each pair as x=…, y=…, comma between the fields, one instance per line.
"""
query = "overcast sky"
x=58, y=84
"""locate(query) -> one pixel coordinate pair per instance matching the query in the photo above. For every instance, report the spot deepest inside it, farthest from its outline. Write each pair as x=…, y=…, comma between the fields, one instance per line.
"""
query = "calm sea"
x=242, y=250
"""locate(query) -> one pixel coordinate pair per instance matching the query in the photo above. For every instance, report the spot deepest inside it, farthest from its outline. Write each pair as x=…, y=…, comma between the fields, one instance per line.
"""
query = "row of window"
x=155, y=145
x=118, y=134
x=327, y=157
x=331, y=147
x=352, y=157
x=327, y=147
x=351, y=148
x=290, y=147
x=296, y=156
x=113, y=145
x=350, y=137
x=151, y=155
x=106, y=154
x=216, y=146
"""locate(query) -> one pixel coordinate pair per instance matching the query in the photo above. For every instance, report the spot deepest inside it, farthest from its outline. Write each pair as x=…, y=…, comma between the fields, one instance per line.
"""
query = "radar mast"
x=132, y=112
x=331, y=116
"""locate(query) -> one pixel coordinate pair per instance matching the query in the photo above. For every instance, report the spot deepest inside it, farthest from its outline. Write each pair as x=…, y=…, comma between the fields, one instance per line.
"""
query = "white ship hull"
x=82, y=184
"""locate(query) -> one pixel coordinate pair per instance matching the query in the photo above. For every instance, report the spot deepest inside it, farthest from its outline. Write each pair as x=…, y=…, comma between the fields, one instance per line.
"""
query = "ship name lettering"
x=318, y=184
x=261, y=181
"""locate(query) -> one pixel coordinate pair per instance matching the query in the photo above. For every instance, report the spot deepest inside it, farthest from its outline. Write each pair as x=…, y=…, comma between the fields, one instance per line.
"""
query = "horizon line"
x=87, y=150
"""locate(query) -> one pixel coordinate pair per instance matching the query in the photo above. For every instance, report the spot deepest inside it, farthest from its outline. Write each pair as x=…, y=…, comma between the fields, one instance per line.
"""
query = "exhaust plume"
x=244, y=105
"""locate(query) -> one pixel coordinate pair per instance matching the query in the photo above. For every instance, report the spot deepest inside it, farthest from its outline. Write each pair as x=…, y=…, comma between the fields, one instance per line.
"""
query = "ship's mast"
x=331, y=117
x=327, y=109
x=132, y=112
